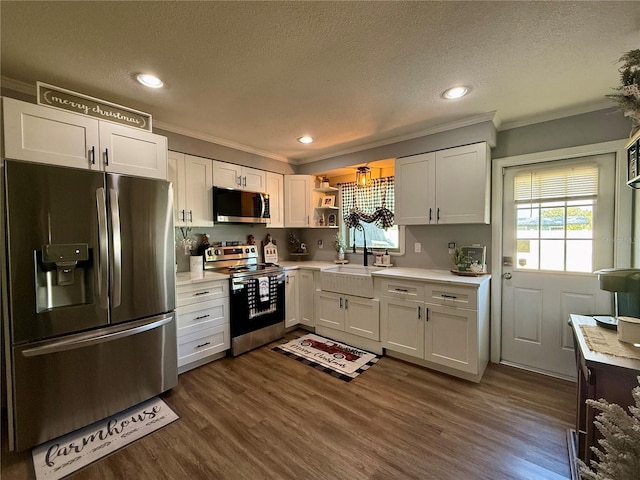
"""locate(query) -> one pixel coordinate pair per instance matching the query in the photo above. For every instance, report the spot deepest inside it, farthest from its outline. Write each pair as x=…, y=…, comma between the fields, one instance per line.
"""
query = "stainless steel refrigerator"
x=89, y=326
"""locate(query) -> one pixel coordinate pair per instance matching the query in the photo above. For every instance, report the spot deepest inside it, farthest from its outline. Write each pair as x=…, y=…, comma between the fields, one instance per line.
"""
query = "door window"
x=555, y=210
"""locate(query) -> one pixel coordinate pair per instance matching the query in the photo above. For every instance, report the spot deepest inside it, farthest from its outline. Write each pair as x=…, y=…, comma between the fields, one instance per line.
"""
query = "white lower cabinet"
x=308, y=282
x=202, y=322
x=356, y=315
x=441, y=326
x=291, y=294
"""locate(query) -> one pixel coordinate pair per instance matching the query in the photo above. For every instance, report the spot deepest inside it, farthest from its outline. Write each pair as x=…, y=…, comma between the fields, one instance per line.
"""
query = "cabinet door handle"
x=340, y=302
x=106, y=156
x=200, y=293
x=346, y=303
x=201, y=317
x=244, y=183
x=191, y=216
x=203, y=344
x=438, y=215
x=427, y=314
x=182, y=212
x=287, y=279
x=93, y=155
x=430, y=210
x=239, y=180
x=419, y=312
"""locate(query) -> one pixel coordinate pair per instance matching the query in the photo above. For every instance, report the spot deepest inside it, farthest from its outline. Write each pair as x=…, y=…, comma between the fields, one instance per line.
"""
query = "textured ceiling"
x=260, y=74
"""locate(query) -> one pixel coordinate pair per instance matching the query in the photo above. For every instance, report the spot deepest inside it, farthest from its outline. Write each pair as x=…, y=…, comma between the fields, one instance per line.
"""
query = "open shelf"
x=327, y=189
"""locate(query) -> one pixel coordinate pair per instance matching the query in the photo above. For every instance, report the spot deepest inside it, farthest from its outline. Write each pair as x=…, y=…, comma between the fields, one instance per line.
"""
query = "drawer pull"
x=201, y=317
x=401, y=290
x=444, y=295
x=200, y=293
x=203, y=344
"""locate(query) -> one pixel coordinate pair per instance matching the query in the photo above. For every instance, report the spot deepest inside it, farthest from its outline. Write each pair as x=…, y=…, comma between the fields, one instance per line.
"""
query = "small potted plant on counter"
x=339, y=246
x=459, y=260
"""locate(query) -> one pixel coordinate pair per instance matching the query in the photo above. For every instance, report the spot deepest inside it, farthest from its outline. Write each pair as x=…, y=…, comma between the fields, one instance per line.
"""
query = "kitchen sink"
x=348, y=279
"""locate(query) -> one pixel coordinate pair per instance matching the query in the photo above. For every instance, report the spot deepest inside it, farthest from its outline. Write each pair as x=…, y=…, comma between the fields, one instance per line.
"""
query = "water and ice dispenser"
x=63, y=275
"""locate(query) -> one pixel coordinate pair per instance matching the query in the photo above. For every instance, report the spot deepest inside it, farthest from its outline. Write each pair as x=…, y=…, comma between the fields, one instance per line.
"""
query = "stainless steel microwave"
x=240, y=206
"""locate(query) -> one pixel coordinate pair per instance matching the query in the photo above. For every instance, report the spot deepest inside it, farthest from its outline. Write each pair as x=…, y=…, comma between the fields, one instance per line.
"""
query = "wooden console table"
x=599, y=376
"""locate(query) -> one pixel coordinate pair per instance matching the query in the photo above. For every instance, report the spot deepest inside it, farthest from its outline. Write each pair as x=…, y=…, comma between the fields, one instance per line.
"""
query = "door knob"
x=506, y=276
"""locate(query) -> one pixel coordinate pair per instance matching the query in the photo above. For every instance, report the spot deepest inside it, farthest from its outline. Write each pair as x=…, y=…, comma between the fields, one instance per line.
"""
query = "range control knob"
x=246, y=250
x=216, y=252
x=253, y=249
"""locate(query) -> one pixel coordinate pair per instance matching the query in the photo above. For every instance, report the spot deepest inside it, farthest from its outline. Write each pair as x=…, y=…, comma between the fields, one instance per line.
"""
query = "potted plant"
x=459, y=260
x=339, y=245
x=628, y=98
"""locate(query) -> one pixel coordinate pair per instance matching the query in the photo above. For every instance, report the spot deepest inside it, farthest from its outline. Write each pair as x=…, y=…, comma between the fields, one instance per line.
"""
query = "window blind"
x=560, y=184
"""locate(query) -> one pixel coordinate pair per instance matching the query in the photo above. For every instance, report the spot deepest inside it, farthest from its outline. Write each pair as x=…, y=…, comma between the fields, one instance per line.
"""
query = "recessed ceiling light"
x=149, y=80
x=455, y=92
x=305, y=139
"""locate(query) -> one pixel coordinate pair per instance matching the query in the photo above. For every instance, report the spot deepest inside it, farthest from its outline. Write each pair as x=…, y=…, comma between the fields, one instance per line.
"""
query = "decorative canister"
x=196, y=266
x=629, y=329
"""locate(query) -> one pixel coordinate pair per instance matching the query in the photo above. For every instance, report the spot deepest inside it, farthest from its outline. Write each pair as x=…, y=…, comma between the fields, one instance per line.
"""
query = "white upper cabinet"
x=298, y=207
x=132, y=151
x=42, y=134
x=444, y=187
x=415, y=189
x=275, y=190
x=192, y=182
x=235, y=176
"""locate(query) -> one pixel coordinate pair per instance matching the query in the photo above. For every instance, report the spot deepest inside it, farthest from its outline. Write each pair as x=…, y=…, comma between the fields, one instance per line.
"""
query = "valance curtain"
x=368, y=204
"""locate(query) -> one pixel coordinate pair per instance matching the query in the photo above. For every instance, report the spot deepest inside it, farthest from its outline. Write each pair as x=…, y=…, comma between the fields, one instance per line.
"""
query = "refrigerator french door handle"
x=116, y=279
x=103, y=242
x=101, y=336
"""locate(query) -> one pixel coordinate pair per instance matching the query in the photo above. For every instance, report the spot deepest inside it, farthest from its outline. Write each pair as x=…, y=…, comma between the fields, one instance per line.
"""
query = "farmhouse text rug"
x=337, y=359
x=64, y=455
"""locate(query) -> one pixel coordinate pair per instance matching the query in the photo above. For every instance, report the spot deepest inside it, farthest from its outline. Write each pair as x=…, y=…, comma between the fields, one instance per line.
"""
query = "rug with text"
x=71, y=452
x=337, y=359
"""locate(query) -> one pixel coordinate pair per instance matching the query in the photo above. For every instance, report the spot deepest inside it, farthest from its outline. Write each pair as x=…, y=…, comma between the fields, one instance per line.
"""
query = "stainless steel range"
x=257, y=295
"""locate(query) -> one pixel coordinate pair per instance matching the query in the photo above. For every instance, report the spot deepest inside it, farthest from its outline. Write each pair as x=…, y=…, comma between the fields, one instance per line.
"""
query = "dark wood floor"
x=265, y=416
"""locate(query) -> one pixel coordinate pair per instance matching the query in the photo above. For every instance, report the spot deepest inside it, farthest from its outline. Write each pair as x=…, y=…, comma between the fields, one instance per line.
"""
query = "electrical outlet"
x=320, y=244
x=417, y=247
x=452, y=247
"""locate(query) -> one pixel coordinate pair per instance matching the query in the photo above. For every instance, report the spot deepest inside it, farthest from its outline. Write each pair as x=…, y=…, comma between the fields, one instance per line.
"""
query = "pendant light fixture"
x=363, y=177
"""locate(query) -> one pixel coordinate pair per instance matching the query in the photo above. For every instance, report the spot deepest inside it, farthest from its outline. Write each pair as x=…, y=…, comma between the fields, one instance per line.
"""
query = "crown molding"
x=465, y=122
x=218, y=141
x=18, y=85
x=557, y=114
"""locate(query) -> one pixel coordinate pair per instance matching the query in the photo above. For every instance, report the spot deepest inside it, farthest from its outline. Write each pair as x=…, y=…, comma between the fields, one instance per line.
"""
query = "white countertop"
x=184, y=278
x=309, y=265
x=398, y=272
x=427, y=274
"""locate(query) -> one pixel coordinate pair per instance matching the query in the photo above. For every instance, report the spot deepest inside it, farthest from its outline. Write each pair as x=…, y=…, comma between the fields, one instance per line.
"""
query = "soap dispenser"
x=386, y=258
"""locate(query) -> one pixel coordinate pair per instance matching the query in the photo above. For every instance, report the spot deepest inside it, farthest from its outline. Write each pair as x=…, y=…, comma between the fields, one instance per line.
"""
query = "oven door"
x=257, y=302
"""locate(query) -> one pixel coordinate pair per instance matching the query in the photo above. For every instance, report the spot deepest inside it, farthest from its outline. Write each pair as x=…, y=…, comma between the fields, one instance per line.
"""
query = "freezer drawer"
x=65, y=384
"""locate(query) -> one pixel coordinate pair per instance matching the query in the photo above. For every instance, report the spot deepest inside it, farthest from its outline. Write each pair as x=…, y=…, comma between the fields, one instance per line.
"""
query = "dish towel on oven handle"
x=263, y=288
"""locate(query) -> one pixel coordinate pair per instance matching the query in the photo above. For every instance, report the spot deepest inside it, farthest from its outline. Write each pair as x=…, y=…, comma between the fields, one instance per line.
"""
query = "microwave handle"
x=263, y=207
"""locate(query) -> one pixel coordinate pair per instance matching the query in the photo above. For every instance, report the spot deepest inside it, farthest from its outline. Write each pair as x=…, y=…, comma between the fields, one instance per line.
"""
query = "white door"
x=199, y=193
x=226, y=175
x=175, y=174
x=330, y=310
x=297, y=197
x=275, y=189
x=415, y=189
x=291, y=308
x=132, y=151
x=362, y=317
x=253, y=180
x=402, y=325
x=557, y=229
